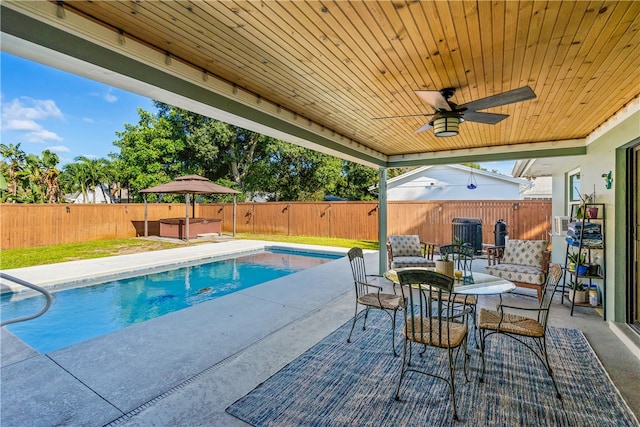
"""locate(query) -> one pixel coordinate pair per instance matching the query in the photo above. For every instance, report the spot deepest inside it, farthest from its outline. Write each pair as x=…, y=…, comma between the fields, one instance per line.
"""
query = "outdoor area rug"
x=336, y=383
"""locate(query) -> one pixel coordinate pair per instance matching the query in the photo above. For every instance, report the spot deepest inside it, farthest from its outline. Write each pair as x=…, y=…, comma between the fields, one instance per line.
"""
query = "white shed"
x=454, y=182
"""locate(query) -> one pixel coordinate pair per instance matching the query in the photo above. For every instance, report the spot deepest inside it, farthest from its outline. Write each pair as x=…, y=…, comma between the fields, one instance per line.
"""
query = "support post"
x=146, y=216
x=186, y=224
x=382, y=220
x=234, y=215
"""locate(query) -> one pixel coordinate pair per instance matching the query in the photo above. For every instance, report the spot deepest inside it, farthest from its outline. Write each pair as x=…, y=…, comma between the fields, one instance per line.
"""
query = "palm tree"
x=89, y=173
x=51, y=181
x=74, y=178
x=16, y=162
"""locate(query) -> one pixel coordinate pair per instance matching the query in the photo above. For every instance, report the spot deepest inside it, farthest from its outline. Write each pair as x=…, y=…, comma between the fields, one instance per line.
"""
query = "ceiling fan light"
x=446, y=126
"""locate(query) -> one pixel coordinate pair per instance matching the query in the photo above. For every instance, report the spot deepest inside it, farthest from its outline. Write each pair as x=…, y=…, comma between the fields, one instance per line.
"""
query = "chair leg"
x=548, y=366
x=402, y=370
x=481, y=333
x=353, y=325
x=476, y=331
x=452, y=386
x=366, y=315
x=393, y=333
x=464, y=366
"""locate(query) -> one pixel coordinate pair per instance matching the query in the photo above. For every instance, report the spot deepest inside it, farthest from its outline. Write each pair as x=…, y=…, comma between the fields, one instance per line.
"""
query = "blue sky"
x=45, y=108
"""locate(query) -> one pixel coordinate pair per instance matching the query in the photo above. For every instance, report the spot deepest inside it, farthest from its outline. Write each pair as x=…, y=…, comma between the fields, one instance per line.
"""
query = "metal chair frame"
x=437, y=326
x=538, y=344
x=462, y=256
x=389, y=303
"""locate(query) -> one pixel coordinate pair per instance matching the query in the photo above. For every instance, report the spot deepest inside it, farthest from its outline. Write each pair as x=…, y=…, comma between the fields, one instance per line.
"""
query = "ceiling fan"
x=449, y=115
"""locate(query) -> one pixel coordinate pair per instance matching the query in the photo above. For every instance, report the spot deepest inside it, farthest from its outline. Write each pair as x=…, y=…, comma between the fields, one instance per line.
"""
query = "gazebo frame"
x=187, y=185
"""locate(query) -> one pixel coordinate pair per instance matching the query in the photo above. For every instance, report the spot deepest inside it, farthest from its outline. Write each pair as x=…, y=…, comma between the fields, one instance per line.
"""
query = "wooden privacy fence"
x=40, y=225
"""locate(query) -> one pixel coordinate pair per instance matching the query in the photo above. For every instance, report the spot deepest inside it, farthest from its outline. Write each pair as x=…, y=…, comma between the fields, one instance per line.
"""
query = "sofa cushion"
x=411, y=261
x=405, y=245
x=517, y=273
x=524, y=252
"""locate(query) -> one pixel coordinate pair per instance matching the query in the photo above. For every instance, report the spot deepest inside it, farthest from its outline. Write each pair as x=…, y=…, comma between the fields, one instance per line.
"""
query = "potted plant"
x=577, y=292
x=577, y=262
x=444, y=265
x=583, y=210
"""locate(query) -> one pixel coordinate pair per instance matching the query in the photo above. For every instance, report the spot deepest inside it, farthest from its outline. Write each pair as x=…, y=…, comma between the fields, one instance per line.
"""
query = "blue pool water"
x=81, y=313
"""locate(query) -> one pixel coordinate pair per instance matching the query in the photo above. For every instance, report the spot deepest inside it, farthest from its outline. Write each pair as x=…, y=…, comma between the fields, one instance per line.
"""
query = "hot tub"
x=176, y=227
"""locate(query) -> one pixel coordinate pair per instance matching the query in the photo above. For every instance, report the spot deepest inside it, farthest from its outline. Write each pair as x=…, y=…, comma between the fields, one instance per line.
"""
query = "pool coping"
x=113, y=377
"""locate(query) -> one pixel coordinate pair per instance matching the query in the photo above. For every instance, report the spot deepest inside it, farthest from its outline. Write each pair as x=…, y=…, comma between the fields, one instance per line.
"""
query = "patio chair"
x=370, y=296
x=523, y=262
x=409, y=251
x=438, y=327
x=462, y=257
x=531, y=332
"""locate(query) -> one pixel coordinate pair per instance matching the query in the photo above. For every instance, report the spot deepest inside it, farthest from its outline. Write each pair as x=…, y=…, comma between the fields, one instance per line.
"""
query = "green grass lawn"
x=27, y=257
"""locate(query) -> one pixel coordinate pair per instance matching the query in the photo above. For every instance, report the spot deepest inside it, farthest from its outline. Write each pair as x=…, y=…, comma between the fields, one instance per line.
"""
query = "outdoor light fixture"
x=446, y=125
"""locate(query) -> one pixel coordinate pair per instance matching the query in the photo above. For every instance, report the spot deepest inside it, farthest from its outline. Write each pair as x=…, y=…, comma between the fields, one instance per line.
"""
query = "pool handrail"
x=31, y=286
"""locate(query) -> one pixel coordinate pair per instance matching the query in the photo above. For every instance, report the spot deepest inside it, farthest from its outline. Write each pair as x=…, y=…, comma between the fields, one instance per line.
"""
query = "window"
x=574, y=187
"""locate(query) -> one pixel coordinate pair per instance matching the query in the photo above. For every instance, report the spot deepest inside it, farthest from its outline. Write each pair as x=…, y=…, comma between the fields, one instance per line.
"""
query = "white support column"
x=382, y=220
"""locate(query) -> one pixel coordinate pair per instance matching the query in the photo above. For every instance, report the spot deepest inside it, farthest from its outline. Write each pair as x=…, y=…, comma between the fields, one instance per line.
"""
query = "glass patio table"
x=471, y=283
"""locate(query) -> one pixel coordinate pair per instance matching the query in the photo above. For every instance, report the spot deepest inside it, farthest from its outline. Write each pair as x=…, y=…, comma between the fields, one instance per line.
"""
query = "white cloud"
x=59, y=149
x=21, y=115
x=21, y=125
x=109, y=96
x=42, y=135
x=87, y=120
x=25, y=108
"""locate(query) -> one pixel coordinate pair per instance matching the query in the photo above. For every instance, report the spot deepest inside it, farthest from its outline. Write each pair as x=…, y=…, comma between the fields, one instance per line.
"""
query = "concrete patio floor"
x=185, y=368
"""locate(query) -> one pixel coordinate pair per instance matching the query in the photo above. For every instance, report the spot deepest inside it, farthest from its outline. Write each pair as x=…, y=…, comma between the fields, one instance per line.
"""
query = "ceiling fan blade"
x=504, y=98
x=426, y=126
x=434, y=98
x=489, y=118
x=405, y=116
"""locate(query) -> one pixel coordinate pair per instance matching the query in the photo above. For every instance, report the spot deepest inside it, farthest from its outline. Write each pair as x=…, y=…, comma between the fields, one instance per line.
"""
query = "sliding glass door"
x=633, y=204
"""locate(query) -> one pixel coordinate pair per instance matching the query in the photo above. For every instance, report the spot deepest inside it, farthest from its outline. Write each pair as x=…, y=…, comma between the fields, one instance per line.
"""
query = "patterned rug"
x=336, y=383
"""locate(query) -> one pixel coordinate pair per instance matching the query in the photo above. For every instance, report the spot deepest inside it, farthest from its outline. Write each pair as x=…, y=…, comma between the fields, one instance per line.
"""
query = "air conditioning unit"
x=561, y=225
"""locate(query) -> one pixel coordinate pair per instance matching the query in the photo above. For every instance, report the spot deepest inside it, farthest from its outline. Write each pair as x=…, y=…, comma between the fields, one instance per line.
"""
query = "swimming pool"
x=93, y=309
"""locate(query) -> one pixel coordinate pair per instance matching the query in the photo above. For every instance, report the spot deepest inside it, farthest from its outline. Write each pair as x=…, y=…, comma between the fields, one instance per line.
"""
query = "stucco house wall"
x=601, y=158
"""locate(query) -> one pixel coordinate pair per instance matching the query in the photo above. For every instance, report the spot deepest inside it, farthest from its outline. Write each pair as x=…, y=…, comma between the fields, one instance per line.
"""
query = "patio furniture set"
x=439, y=307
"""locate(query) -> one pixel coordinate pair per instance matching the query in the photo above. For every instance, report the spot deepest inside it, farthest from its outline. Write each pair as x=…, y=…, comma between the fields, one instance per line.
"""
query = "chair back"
x=405, y=245
x=421, y=318
x=461, y=255
x=550, y=286
x=356, y=258
x=524, y=252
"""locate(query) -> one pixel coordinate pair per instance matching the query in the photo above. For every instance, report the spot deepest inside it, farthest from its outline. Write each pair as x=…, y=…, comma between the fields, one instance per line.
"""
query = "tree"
x=150, y=152
x=73, y=178
x=29, y=178
x=51, y=176
x=178, y=142
x=215, y=149
x=93, y=173
x=290, y=172
x=355, y=181
x=16, y=162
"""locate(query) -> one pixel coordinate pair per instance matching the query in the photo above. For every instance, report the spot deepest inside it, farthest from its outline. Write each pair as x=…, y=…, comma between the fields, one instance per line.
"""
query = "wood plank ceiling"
x=344, y=63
